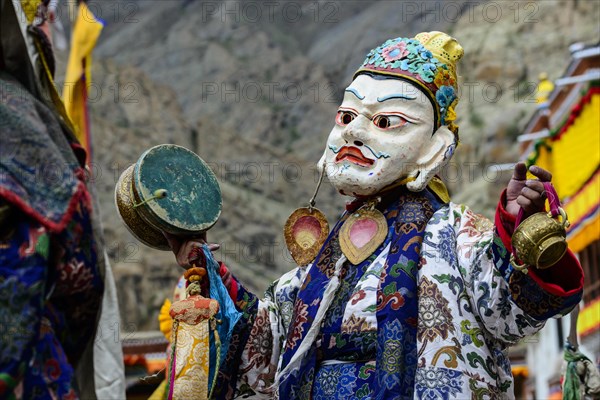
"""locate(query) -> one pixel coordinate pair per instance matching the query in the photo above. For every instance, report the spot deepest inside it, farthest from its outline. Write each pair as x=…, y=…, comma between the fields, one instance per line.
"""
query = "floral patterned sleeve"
x=259, y=336
x=510, y=304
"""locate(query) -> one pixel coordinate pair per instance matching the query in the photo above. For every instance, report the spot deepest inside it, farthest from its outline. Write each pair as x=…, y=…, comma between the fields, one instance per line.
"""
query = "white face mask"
x=383, y=133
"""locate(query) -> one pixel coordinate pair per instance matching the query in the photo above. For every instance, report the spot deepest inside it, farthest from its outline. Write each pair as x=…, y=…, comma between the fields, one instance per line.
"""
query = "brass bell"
x=541, y=239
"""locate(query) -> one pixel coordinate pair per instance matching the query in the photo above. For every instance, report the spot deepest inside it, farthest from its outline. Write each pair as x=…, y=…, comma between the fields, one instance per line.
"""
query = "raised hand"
x=186, y=250
x=526, y=193
x=187, y=253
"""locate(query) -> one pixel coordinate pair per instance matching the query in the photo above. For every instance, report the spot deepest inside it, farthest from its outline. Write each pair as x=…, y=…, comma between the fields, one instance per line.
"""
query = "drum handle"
x=555, y=209
x=157, y=195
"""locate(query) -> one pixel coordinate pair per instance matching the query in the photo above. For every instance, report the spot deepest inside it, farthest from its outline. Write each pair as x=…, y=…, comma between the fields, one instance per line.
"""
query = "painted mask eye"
x=344, y=117
x=389, y=121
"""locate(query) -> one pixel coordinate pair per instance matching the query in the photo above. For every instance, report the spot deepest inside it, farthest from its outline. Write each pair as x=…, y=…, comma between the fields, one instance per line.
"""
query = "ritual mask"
x=384, y=133
x=396, y=122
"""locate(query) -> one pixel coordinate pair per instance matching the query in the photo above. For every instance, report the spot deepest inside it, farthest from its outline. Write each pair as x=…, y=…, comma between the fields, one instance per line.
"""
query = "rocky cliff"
x=253, y=88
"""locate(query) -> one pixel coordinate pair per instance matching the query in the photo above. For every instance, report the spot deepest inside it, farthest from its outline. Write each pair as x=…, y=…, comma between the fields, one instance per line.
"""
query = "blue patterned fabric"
x=22, y=277
x=344, y=381
x=228, y=314
x=394, y=349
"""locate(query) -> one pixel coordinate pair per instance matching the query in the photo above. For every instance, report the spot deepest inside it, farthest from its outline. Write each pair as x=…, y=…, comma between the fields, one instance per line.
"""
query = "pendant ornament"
x=362, y=233
x=305, y=233
x=306, y=230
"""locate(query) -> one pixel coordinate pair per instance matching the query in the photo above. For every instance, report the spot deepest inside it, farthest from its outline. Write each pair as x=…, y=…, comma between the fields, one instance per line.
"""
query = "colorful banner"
x=589, y=318
x=572, y=154
x=583, y=210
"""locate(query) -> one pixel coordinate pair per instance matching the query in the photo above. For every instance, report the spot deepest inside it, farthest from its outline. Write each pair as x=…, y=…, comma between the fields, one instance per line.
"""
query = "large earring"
x=363, y=232
x=306, y=230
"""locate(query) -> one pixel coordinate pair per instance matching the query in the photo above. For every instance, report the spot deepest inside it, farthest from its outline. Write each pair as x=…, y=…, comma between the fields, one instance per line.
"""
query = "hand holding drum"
x=168, y=200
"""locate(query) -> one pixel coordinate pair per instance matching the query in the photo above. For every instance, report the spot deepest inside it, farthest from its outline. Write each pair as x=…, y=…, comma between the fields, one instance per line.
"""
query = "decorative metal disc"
x=305, y=231
x=362, y=233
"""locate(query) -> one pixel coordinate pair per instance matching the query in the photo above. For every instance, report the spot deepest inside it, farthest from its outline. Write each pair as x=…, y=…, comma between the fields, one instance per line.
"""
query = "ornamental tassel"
x=189, y=358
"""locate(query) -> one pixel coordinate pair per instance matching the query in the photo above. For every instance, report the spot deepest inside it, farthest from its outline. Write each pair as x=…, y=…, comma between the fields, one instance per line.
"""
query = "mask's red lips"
x=353, y=155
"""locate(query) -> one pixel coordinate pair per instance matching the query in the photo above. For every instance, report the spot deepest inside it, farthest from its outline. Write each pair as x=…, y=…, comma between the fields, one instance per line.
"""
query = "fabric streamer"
x=202, y=329
x=227, y=316
x=582, y=378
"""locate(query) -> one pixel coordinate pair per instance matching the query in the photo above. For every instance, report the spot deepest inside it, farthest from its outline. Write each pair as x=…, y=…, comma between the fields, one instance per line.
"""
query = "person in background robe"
x=56, y=285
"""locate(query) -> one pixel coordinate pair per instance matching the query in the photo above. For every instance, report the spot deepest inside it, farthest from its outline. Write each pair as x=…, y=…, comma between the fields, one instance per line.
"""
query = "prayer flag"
x=78, y=77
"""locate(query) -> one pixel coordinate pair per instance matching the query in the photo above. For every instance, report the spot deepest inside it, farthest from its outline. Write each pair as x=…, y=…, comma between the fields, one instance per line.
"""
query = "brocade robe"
x=472, y=305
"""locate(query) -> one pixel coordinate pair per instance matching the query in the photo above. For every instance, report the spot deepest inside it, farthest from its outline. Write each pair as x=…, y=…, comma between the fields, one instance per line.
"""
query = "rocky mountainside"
x=253, y=88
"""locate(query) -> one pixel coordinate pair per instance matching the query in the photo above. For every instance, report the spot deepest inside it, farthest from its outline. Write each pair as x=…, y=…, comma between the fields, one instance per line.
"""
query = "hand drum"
x=169, y=189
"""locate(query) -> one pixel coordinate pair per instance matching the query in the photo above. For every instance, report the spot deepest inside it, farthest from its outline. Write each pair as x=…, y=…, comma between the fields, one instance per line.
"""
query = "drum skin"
x=192, y=203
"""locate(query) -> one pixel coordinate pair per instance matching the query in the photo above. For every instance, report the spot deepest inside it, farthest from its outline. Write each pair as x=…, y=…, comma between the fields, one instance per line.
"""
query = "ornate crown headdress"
x=429, y=61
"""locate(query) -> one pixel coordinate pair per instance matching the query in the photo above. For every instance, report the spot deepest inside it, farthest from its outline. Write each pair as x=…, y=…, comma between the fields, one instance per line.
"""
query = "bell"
x=541, y=239
x=169, y=189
